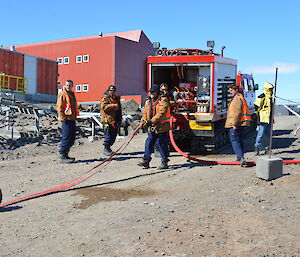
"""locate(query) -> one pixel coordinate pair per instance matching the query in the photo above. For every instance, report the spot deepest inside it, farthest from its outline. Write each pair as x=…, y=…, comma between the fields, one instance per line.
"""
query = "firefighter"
x=156, y=118
x=67, y=110
x=238, y=116
x=164, y=91
x=263, y=107
x=111, y=117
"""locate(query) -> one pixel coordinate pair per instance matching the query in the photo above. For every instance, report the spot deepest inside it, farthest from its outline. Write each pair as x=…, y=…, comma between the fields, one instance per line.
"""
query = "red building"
x=95, y=62
x=31, y=77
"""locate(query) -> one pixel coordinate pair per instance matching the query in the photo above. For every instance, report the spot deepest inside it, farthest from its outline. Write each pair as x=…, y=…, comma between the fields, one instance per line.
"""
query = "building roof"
x=14, y=52
x=133, y=35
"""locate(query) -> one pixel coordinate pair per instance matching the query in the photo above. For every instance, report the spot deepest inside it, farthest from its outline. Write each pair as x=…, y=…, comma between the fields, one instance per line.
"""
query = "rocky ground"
x=187, y=210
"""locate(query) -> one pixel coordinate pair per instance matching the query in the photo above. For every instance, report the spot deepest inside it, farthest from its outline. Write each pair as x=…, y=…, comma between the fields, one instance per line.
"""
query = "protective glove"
x=149, y=123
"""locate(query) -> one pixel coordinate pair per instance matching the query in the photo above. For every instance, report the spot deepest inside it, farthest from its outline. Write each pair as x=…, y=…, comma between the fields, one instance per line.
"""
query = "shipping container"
x=11, y=63
x=46, y=77
x=27, y=74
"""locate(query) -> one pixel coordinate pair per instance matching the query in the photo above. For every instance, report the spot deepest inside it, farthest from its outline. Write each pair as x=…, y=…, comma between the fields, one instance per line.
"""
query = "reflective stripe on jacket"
x=67, y=108
x=238, y=113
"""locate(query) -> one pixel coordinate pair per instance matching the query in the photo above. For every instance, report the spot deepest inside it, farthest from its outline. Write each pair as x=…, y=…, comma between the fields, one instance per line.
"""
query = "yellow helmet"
x=268, y=85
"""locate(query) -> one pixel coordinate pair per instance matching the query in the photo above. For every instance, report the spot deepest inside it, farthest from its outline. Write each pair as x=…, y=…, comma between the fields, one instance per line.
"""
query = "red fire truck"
x=199, y=82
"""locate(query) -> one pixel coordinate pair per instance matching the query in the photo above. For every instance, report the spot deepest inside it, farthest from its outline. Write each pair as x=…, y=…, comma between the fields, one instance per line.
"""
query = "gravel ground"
x=187, y=210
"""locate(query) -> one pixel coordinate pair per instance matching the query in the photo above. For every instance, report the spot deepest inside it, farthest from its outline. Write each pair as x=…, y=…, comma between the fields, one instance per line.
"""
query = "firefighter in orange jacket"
x=67, y=111
x=238, y=116
x=156, y=118
x=111, y=118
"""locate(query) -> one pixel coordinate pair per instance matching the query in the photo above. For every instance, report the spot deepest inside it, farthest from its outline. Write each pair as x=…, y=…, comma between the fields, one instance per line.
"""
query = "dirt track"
x=188, y=210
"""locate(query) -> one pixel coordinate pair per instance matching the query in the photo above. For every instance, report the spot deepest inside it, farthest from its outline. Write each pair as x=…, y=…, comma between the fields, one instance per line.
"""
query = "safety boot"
x=243, y=162
x=266, y=151
x=256, y=151
x=164, y=164
x=68, y=157
x=145, y=162
x=64, y=158
x=107, y=151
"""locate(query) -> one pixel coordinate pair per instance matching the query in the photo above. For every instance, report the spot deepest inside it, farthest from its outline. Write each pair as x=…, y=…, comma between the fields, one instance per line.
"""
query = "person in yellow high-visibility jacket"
x=263, y=107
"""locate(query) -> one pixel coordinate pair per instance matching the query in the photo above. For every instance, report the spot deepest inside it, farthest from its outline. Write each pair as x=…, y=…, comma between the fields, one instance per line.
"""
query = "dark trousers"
x=162, y=141
x=157, y=146
x=110, y=134
x=237, y=141
x=68, y=135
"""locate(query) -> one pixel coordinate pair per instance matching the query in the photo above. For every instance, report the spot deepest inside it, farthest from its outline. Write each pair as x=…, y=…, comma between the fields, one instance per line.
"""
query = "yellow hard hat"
x=268, y=85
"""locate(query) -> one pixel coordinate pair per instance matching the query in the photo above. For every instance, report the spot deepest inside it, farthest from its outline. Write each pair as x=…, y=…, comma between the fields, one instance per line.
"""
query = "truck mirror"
x=255, y=87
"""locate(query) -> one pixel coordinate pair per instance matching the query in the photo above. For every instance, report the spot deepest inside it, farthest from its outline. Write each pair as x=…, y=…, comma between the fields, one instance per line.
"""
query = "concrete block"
x=269, y=169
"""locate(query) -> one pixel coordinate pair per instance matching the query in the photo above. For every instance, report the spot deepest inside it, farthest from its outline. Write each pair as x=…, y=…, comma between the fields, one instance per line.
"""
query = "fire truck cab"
x=199, y=81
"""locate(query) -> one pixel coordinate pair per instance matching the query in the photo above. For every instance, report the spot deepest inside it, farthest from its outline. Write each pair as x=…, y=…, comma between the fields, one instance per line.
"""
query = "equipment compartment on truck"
x=199, y=84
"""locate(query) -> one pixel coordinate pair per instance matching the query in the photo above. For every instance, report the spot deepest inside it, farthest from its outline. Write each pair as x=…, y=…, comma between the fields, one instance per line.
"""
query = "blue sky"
x=259, y=34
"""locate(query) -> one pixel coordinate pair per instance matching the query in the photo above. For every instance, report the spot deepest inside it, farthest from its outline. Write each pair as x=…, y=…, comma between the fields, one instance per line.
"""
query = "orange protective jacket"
x=159, y=113
x=238, y=113
x=66, y=106
x=110, y=110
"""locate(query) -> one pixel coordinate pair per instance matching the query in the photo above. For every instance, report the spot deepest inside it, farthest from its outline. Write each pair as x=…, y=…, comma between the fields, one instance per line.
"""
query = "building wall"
x=11, y=63
x=131, y=61
x=46, y=77
x=118, y=58
x=30, y=73
x=40, y=74
x=97, y=73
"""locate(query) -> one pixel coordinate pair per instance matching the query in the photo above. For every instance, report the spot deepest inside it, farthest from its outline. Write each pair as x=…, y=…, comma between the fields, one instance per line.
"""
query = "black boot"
x=64, y=157
x=145, y=162
x=68, y=157
x=107, y=151
x=164, y=164
x=243, y=162
x=256, y=151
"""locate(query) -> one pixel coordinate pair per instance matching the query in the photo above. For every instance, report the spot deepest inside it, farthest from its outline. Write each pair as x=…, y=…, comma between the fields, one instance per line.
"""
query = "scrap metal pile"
x=23, y=123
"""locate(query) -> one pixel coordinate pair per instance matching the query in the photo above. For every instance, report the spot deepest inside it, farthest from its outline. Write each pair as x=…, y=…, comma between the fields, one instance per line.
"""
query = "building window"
x=85, y=87
x=86, y=58
x=78, y=58
x=66, y=60
x=78, y=88
x=60, y=60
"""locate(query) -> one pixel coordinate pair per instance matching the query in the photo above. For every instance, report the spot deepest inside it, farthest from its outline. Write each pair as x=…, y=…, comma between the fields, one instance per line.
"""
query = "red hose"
x=213, y=162
x=69, y=183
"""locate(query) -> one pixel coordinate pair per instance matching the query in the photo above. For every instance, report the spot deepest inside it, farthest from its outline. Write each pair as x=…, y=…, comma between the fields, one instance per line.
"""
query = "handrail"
x=12, y=83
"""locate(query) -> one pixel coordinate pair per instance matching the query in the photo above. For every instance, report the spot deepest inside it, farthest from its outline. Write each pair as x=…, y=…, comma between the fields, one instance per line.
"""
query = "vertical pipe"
x=7, y=119
x=212, y=87
x=93, y=129
x=273, y=112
